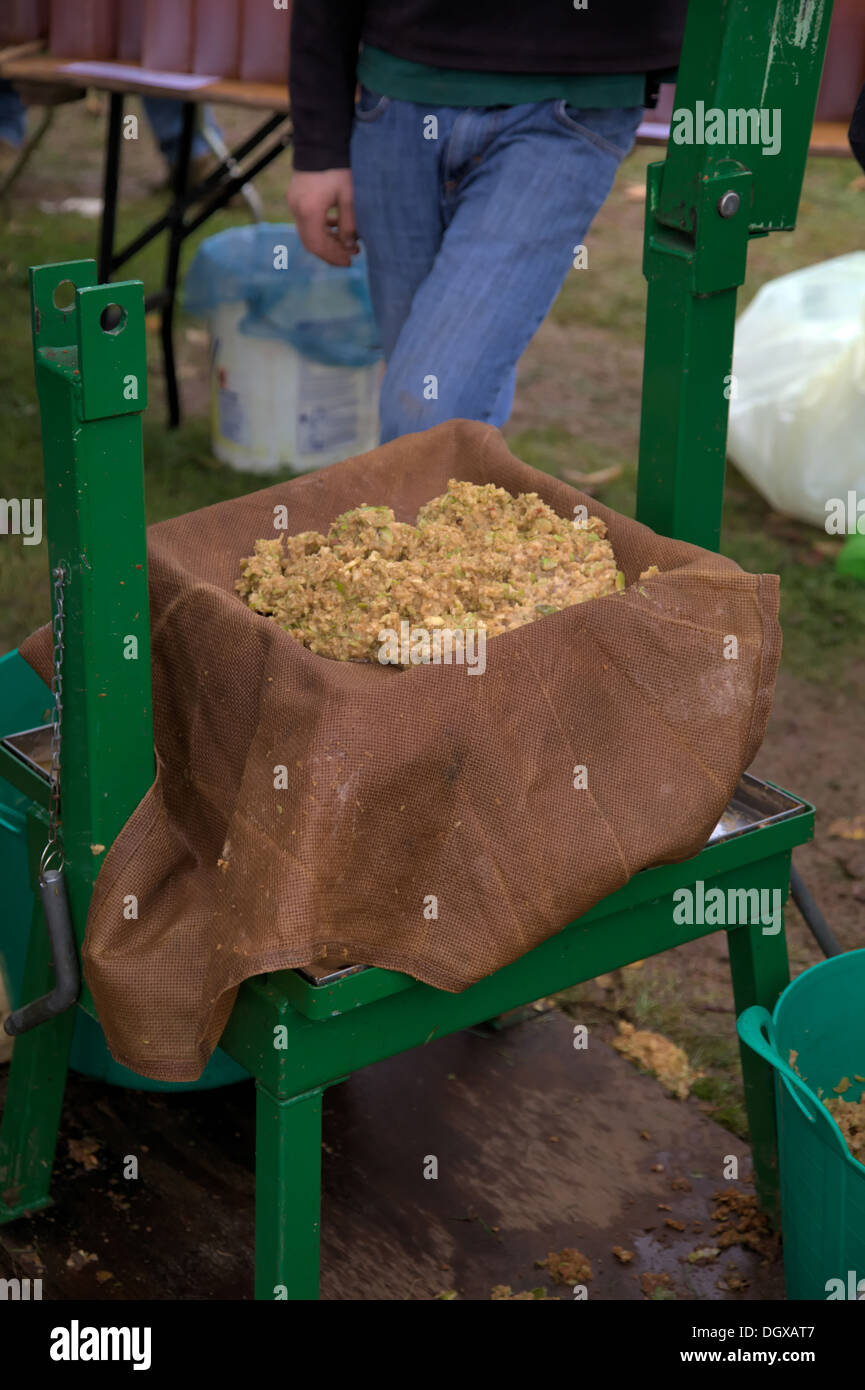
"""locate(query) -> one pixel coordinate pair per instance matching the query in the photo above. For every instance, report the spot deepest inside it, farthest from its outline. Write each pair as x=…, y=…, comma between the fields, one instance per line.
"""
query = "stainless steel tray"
x=755, y=804
x=33, y=747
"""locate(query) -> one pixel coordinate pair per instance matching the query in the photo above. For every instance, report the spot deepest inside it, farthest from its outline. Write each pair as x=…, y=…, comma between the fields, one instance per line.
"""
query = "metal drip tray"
x=318, y=972
x=33, y=747
x=755, y=804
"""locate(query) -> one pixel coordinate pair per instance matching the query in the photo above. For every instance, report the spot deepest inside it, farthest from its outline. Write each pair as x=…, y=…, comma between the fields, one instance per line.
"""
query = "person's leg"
x=165, y=117
x=397, y=203
x=521, y=186
x=13, y=116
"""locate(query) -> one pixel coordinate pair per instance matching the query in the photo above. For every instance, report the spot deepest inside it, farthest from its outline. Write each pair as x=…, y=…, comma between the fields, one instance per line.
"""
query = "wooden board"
x=41, y=67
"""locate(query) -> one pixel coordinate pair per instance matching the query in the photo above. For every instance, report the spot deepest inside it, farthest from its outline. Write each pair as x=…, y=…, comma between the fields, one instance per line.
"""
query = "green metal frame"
x=737, y=55
x=92, y=385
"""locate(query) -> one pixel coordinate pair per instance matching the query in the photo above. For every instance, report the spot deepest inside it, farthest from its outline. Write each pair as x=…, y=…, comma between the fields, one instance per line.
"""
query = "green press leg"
x=760, y=971
x=287, y=1195
x=34, y=1094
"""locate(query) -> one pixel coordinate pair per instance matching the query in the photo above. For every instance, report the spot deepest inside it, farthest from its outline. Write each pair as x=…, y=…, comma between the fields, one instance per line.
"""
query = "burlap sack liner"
x=653, y=612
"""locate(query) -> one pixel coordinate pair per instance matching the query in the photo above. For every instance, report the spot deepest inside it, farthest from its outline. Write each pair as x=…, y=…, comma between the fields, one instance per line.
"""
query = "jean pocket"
x=370, y=105
x=618, y=125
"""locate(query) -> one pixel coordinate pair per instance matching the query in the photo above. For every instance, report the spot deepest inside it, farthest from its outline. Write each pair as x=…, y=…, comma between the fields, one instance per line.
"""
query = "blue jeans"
x=165, y=116
x=13, y=116
x=469, y=237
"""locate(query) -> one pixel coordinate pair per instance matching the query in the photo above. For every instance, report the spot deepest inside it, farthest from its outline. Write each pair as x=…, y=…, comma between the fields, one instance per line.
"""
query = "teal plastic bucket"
x=25, y=702
x=821, y=1018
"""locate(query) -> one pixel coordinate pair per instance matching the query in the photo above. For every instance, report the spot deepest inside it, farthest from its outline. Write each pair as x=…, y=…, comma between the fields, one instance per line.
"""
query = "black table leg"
x=110, y=179
x=176, y=234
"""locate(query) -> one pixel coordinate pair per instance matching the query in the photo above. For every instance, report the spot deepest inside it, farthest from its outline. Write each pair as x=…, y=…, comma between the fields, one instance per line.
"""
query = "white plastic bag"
x=797, y=400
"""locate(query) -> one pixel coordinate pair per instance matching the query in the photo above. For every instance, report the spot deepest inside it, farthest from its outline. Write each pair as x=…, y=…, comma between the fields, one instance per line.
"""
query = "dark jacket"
x=520, y=36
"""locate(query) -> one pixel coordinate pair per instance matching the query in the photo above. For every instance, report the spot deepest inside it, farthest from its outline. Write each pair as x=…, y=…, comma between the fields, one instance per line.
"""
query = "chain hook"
x=54, y=848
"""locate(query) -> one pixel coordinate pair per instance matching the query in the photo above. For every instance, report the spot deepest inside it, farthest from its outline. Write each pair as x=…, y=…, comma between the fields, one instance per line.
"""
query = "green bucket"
x=820, y=1017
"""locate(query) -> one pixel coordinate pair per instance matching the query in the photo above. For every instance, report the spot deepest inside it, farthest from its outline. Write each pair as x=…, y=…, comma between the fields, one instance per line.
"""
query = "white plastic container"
x=273, y=408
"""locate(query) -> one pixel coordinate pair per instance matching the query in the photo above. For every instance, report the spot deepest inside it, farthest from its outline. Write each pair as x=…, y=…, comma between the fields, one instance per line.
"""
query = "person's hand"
x=322, y=205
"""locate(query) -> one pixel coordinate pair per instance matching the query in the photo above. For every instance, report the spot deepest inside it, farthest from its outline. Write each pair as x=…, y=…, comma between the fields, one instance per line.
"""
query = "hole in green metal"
x=64, y=296
x=112, y=319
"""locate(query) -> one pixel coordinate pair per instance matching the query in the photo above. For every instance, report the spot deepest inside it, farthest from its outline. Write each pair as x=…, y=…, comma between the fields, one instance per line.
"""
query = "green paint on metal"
x=94, y=495
x=287, y=1195
x=745, y=100
x=37, y=1076
x=55, y=328
x=112, y=352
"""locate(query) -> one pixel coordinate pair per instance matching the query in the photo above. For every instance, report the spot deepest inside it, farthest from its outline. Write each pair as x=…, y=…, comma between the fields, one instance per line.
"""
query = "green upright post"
x=760, y=971
x=91, y=377
x=287, y=1195
x=758, y=63
x=37, y=1076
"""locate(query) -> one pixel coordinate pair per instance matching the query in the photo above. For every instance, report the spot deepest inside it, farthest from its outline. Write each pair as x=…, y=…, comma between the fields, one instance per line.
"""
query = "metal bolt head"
x=728, y=204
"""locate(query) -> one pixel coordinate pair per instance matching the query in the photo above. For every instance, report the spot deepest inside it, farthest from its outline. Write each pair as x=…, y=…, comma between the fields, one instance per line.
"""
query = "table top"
x=23, y=64
x=18, y=66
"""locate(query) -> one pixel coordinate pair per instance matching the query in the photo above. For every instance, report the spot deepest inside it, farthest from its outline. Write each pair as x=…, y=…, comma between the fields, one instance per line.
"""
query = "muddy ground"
x=558, y=1174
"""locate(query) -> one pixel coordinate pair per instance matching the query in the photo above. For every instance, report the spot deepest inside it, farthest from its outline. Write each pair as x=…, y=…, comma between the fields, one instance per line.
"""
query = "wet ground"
x=540, y=1148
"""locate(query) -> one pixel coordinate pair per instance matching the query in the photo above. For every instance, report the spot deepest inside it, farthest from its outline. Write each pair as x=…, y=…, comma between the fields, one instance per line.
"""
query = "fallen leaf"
x=566, y=1266
x=84, y=1151
x=29, y=1255
x=656, y=1285
x=623, y=1256
x=851, y=828
x=504, y=1292
x=703, y=1254
x=740, y=1221
x=79, y=1258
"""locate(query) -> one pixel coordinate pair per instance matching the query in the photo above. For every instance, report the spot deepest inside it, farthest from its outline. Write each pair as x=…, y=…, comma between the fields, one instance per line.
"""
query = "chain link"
x=54, y=847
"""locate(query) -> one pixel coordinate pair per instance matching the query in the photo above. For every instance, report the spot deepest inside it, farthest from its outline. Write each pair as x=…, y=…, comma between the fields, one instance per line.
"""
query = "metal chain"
x=54, y=847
